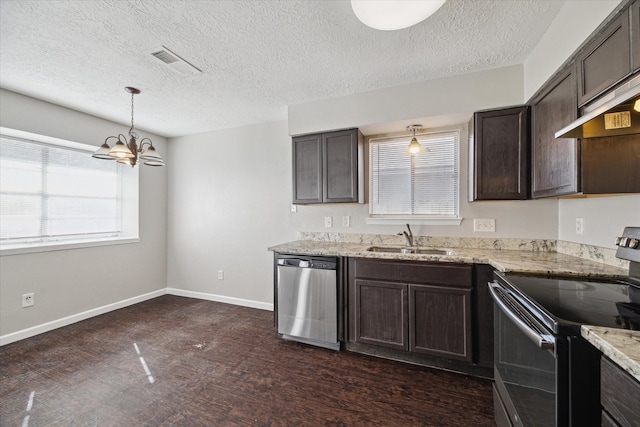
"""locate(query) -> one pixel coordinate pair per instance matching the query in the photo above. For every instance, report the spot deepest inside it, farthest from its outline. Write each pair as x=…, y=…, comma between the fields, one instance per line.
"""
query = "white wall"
x=229, y=200
x=69, y=282
x=604, y=217
x=433, y=101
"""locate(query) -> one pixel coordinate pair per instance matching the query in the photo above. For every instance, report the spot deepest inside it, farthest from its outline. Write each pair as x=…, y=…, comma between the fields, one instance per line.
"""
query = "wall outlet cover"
x=328, y=222
x=484, y=225
x=28, y=300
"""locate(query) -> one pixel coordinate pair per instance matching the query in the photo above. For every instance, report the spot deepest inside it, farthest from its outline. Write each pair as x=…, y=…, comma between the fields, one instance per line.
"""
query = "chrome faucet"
x=408, y=237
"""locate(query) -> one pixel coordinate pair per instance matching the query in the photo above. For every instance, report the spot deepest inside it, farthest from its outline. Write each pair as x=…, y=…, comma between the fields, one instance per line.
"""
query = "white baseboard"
x=221, y=298
x=55, y=324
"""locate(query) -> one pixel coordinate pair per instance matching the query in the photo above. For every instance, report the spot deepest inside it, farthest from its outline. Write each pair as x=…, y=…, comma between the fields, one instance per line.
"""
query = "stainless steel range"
x=545, y=373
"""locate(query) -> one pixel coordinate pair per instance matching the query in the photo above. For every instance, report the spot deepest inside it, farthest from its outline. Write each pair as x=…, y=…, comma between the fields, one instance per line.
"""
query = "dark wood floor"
x=214, y=364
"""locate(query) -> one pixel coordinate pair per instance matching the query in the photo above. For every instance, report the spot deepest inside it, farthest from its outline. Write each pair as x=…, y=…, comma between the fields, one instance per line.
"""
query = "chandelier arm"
x=144, y=141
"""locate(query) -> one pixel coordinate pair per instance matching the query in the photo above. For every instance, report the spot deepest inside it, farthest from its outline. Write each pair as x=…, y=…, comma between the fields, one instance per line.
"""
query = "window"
x=422, y=186
x=54, y=192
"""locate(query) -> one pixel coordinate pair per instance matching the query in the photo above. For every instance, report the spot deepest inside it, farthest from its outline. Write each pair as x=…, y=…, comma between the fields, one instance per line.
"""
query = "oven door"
x=530, y=365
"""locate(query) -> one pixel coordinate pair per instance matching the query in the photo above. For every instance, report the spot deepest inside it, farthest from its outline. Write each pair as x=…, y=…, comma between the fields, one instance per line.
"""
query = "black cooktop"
x=568, y=302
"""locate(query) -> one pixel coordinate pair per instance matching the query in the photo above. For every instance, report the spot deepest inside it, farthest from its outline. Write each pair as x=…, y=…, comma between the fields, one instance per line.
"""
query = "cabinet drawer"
x=459, y=275
x=619, y=394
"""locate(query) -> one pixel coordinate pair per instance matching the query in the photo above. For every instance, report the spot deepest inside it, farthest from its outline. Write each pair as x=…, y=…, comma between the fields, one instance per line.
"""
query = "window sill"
x=63, y=246
x=399, y=220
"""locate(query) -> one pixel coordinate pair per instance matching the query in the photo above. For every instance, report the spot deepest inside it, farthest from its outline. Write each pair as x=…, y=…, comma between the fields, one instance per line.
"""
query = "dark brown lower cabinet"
x=440, y=321
x=381, y=313
x=619, y=396
x=422, y=308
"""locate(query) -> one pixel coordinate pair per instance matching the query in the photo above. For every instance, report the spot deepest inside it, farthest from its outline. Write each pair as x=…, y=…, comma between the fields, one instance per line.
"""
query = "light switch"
x=346, y=221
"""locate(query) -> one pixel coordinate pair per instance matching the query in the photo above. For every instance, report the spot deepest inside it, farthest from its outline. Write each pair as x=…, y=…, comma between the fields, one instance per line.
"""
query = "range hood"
x=612, y=115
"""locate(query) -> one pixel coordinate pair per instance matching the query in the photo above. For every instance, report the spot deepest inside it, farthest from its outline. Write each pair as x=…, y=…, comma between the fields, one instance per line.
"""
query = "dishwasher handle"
x=294, y=262
x=307, y=263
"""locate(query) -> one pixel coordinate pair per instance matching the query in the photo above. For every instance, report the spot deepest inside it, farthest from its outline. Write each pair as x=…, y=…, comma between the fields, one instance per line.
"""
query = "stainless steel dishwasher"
x=307, y=299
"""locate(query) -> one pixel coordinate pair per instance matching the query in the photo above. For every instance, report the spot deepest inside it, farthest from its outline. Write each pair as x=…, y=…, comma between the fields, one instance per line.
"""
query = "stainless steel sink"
x=405, y=250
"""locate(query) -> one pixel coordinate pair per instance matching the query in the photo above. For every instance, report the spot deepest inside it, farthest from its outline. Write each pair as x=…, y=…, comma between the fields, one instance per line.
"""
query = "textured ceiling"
x=257, y=57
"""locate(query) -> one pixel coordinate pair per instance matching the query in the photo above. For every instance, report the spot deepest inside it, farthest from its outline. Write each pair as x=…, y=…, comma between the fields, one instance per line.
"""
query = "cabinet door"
x=340, y=166
x=554, y=161
x=381, y=313
x=619, y=393
x=440, y=321
x=501, y=154
x=605, y=60
x=635, y=35
x=611, y=165
x=307, y=169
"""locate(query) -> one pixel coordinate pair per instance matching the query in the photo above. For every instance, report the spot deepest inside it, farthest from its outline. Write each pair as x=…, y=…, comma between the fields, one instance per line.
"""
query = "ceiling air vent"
x=174, y=62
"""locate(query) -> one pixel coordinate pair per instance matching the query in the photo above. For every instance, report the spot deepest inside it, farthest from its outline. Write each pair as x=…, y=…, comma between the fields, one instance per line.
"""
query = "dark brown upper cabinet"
x=499, y=154
x=611, y=165
x=634, y=18
x=307, y=169
x=325, y=167
x=605, y=60
x=554, y=162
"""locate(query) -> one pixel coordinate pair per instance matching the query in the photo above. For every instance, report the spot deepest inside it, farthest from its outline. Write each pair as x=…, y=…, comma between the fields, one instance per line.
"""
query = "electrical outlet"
x=484, y=225
x=346, y=221
x=220, y=274
x=328, y=222
x=294, y=208
x=579, y=225
x=28, y=300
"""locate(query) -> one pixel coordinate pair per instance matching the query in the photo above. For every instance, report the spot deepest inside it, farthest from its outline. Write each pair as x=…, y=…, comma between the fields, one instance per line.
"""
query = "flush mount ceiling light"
x=388, y=15
x=127, y=152
x=414, y=145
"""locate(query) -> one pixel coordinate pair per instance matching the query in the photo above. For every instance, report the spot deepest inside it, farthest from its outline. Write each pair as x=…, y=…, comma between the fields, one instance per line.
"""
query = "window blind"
x=51, y=193
x=424, y=184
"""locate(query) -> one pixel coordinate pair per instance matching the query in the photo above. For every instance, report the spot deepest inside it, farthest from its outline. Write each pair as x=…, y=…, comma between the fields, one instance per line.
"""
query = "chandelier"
x=130, y=152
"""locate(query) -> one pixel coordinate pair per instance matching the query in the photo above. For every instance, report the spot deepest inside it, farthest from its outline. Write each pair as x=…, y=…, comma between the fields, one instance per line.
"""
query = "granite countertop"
x=620, y=345
x=508, y=261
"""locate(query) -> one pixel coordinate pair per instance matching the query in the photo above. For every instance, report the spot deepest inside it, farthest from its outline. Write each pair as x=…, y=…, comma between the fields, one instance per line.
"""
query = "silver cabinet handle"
x=530, y=327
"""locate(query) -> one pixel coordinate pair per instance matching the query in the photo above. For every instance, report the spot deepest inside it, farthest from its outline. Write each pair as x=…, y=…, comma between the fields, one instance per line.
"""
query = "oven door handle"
x=530, y=327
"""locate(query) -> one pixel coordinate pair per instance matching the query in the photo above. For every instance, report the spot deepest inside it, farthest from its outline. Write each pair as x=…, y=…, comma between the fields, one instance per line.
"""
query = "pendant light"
x=128, y=152
x=388, y=15
x=414, y=145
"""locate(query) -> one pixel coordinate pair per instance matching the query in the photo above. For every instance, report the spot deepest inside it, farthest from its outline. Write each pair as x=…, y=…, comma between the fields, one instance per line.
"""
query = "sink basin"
x=424, y=251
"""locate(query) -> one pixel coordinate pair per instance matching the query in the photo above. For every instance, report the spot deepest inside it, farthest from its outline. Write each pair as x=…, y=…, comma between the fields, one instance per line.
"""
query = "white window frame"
x=129, y=228
x=417, y=219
